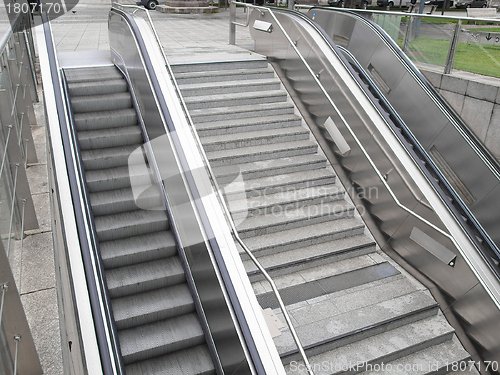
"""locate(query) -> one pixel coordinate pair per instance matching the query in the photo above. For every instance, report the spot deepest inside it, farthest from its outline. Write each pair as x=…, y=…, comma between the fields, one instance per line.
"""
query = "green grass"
x=481, y=59
x=485, y=29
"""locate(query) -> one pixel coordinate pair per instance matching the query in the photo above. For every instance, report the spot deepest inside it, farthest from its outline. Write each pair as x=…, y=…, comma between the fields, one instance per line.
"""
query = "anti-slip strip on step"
x=328, y=285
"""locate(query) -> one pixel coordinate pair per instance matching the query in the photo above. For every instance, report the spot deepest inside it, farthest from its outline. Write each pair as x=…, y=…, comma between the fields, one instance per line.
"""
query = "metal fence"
x=17, y=213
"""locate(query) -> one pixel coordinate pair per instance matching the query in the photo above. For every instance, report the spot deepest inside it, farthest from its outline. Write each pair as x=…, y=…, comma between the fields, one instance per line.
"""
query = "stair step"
x=437, y=359
x=256, y=138
x=107, y=158
x=191, y=361
x=272, y=168
x=295, y=238
x=276, y=184
x=248, y=124
x=123, y=200
x=105, y=119
x=158, y=338
x=231, y=100
x=115, y=178
x=97, y=88
x=138, y=249
x=382, y=348
x=330, y=330
x=142, y=277
x=277, y=204
x=209, y=68
x=151, y=306
x=128, y=224
x=260, y=153
x=289, y=218
x=241, y=111
x=112, y=137
x=304, y=258
x=226, y=75
x=224, y=87
x=108, y=102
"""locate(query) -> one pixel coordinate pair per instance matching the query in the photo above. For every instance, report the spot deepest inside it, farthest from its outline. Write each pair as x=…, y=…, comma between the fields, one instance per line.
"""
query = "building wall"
x=476, y=101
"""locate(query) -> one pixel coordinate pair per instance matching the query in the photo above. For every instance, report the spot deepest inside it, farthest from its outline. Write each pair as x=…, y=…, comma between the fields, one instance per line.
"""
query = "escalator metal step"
x=98, y=87
x=142, y=277
x=115, y=178
x=107, y=158
x=123, y=200
x=105, y=119
x=108, y=102
x=151, y=340
x=113, y=137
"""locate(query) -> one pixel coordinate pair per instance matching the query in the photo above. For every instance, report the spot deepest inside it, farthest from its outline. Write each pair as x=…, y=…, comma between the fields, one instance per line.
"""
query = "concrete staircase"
x=158, y=327
x=353, y=308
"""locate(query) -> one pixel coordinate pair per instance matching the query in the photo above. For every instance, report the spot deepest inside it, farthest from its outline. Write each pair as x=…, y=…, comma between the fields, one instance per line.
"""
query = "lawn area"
x=481, y=59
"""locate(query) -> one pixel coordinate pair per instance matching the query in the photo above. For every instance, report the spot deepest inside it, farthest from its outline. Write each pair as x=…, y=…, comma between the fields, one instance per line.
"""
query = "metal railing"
x=221, y=200
x=17, y=214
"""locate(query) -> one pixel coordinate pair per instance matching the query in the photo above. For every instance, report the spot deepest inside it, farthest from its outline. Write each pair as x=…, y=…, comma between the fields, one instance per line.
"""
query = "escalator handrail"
x=257, y=362
x=109, y=353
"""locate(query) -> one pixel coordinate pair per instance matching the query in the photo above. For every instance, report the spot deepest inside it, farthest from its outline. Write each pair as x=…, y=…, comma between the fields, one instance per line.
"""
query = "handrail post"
x=452, y=52
x=232, y=20
x=407, y=39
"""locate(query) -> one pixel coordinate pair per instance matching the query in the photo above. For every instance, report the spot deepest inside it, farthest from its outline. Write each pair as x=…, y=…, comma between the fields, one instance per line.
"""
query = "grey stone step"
x=105, y=119
x=277, y=183
x=112, y=137
x=247, y=124
x=221, y=66
x=108, y=102
x=191, y=361
x=437, y=359
x=311, y=256
x=241, y=111
x=221, y=75
x=95, y=74
x=231, y=100
x=123, y=200
x=115, y=178
x=327, y=330
x=295, y=238
x=128, y=224
x=255, y=138
x=143, y=277
x=155, y=339
x=107, y=158
x=290, y=218
x=224, y=87
x=382, y=348
x=277, y=204
x=151, y=306
x=261, y=153
x=270, y=169
x=97, y=88
x=138, y=249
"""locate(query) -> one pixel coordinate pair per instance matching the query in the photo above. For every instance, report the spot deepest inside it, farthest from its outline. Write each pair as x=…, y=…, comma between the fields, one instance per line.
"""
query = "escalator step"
x=115, y=178
x=121, y=200
x=97, y=88
x=167, y=336
x=192, y=361
x=105, y=119
x=128, y=224
x=108, y=102
x=142, y=277
x=137, y=249
x=94, y=74
x=107, y=158
x=159, y=304
x=113, y=137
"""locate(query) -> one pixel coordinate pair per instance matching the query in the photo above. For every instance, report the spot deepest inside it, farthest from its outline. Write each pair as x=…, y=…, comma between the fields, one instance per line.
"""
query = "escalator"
x=152, y=306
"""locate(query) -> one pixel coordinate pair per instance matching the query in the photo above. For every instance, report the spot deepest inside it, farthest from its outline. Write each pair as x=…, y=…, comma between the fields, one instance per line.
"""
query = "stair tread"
x=154, y=305
x=322, y=321
x=191, y=361
x=236, y=72
x=137, y=249
x=231, y=96
x=253, y=135
x=427, y=361
x=246, y=122
x=253, y=108
x=309, y=253
x=140, y=277
x=228, y=84
x=384, y=347
x=161, y=337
